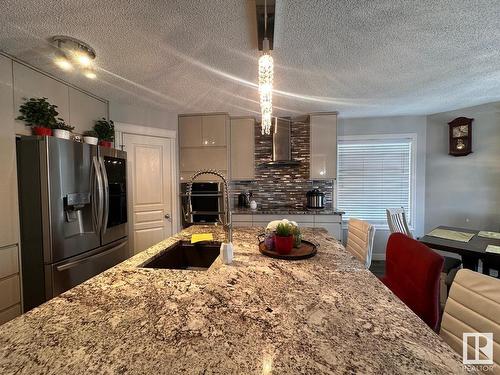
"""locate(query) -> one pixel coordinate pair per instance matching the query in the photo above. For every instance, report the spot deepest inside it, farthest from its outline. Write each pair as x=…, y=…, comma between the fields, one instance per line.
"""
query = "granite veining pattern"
x=260, y=315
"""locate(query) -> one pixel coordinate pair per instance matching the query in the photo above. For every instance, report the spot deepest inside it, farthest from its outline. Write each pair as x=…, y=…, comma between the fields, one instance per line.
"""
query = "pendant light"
x=266, y=72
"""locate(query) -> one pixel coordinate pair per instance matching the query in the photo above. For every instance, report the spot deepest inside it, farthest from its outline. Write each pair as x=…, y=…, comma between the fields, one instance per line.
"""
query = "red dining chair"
x=412, y=273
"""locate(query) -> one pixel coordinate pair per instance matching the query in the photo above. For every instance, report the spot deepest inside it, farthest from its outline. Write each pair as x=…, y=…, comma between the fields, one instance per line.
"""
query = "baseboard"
x=378, y=256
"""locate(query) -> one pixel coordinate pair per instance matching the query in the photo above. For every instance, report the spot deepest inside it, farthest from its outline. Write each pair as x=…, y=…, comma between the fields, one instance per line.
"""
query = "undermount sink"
x=187, y=256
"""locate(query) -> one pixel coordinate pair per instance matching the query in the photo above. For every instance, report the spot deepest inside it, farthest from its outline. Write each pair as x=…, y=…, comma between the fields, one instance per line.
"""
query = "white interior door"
x=150, y=186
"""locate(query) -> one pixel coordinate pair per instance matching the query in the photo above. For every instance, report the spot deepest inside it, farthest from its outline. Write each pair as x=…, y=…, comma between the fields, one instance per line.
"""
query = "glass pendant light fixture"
x=266, y=72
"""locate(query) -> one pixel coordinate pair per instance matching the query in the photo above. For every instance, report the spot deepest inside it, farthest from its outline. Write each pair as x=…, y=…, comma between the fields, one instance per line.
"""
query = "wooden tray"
x=306, y=250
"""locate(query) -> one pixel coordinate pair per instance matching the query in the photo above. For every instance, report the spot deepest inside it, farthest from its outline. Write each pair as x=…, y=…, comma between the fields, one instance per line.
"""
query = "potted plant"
x=62, y=130
x=40, y=115
x=283, y=238
x=105, y=132
x=90, y=137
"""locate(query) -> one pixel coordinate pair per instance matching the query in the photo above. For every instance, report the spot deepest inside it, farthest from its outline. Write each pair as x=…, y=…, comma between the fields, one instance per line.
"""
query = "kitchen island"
x=326, y=314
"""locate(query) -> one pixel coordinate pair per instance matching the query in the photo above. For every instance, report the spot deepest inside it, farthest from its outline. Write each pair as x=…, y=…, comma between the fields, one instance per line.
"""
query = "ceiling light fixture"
x=76, y=51
x=266, y=73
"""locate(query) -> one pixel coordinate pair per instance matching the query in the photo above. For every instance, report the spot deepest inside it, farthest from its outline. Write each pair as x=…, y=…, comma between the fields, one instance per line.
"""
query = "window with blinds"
x=374, y=175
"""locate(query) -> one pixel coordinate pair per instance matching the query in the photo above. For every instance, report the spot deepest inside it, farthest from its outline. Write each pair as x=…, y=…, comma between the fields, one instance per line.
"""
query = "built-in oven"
x=207, y=203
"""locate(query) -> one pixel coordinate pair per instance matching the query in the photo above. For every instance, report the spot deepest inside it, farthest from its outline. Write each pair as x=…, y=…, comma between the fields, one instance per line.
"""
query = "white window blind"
x=374, y=175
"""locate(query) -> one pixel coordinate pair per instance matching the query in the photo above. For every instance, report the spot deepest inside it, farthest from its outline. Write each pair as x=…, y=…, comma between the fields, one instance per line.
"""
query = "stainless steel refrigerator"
x=73, y=214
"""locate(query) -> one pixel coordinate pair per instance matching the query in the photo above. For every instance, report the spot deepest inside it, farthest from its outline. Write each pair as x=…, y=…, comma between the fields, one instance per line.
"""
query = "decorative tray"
x=306, y=250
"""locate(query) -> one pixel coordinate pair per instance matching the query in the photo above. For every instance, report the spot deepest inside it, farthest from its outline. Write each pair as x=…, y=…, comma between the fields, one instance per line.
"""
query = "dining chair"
x=396, y=220
x=413, y=272
x=473, y=306
x=360, y=235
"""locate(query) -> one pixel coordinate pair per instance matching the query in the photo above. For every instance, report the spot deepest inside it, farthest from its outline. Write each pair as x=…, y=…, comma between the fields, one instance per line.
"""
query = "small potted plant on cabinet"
x=90, y=137
x=105, y=132
x=62, y=130
x=283, y=238
x=40, y=115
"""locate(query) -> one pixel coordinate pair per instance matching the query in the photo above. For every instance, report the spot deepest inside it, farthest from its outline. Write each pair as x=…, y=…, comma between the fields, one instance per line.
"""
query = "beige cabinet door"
x=9, y=222
x=150, y=183
x=213, y=130
x=242, y=148
x=323, y=146
x=29, y=83
x=84, y=110
x=190, y=131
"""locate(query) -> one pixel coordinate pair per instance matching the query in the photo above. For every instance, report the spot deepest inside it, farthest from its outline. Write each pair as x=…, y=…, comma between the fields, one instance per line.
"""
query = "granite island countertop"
x=260, y=315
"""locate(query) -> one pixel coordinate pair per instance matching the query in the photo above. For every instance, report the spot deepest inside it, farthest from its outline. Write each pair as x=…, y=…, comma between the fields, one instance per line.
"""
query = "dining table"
x=470, y=251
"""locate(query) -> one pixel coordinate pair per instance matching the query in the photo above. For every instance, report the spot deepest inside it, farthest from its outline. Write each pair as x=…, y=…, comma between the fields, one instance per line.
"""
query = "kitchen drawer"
x=10, y=313
x=298, y=218
x=9, y=292
x=9, y=261
x=328, y=219
x=242, y=217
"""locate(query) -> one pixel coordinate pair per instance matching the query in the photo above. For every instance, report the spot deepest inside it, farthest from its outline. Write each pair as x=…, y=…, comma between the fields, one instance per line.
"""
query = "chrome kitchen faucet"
x=228, y=225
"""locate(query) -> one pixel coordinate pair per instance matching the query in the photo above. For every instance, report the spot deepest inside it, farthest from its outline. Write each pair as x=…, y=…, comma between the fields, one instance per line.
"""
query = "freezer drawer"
x=67, y=274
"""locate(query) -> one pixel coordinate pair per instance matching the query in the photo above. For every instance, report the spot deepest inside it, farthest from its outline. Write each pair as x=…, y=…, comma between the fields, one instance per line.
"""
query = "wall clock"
x=460, y=136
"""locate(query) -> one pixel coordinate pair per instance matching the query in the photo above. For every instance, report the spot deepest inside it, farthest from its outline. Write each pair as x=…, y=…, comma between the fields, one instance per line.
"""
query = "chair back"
x=396, y=219
x=473, y=305
x=413, y=273
x=360, y=236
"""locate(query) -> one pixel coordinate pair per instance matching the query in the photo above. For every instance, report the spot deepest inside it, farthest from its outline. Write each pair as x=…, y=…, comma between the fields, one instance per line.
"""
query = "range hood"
x=282, y=145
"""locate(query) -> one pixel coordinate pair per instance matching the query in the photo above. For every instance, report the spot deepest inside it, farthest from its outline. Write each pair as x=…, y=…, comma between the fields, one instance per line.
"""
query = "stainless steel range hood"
x=282, y=145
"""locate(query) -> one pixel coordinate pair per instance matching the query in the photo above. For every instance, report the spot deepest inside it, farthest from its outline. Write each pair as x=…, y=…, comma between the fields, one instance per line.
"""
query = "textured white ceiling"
x=361, y=58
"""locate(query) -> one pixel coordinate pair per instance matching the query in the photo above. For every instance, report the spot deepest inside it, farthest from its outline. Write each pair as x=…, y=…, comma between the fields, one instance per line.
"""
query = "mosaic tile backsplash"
x=283, y=185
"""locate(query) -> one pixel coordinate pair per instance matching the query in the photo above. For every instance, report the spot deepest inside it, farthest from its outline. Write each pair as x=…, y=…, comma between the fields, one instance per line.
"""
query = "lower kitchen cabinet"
x=332, y=223
x=10, y=288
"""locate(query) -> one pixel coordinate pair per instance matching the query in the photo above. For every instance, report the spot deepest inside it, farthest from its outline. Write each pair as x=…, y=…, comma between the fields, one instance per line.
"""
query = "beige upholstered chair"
x=360, y=236
x=473, y=306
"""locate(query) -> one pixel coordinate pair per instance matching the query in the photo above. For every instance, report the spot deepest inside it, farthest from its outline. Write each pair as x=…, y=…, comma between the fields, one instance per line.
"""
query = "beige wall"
x=142, y=115
x=464, y=191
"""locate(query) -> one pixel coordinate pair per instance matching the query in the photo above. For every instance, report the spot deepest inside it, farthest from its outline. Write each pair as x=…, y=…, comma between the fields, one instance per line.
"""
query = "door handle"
x=98, y=203
x=167, y=216
x=106, y=195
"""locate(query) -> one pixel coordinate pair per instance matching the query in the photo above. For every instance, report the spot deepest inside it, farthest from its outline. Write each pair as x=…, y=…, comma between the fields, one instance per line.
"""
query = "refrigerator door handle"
x=69, y=265
x=98, y=203
x=106, y=194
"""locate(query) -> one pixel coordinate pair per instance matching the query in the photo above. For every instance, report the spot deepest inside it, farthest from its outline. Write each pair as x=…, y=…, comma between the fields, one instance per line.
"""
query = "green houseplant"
x=62, y=130
x=40, y=115
x=105, y=131
x=283, y=238
x=90, y=137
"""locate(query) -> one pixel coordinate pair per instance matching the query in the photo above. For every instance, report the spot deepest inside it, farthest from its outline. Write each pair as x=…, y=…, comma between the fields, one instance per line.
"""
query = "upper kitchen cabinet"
x=84, y=110
x=203, y=130
x=213, y=130
x=203, y=144
x=190, y=131
x=243, y=148
x=9, y=222
x=30, y=83
x=323, y=146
